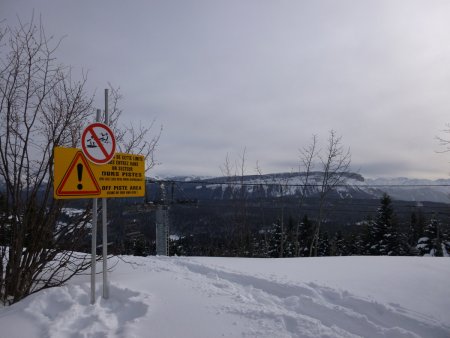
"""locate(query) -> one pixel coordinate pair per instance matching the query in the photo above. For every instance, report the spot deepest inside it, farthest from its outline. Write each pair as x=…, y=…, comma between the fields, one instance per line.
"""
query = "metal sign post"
x=104, y=221
x=94, y=237
x=94, y=248
x=97, y=171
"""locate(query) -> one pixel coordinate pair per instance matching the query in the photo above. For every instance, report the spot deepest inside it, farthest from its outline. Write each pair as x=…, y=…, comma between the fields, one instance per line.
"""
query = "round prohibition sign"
x=98, y=143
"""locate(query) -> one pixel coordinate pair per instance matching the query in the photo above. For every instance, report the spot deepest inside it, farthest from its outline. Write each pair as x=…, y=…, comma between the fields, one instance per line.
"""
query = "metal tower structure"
x=162, y=224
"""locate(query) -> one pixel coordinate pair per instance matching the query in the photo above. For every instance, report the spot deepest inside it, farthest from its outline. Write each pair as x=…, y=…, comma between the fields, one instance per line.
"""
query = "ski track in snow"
x=309, y=310
x=66, y=312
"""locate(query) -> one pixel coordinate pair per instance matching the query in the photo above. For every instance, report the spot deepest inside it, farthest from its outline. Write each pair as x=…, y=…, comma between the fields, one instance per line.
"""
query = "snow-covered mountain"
x=352, y=185
x=407, y=189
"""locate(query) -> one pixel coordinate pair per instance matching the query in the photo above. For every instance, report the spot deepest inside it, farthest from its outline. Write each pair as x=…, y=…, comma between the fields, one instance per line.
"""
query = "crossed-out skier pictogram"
x=98, y=143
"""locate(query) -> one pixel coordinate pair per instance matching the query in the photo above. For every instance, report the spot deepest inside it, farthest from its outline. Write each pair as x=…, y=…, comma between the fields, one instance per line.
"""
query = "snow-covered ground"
x=238, y=297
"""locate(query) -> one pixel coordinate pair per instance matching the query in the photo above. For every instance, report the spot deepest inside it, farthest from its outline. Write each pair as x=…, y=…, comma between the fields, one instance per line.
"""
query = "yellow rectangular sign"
x=76, y=177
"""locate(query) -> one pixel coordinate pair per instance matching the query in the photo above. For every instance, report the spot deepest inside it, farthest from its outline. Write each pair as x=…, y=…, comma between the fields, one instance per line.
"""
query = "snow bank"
x=66, y=312
x=237, y=297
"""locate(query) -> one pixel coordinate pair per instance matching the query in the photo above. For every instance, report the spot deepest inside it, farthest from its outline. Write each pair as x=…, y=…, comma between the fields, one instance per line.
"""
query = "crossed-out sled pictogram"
x=98, y=143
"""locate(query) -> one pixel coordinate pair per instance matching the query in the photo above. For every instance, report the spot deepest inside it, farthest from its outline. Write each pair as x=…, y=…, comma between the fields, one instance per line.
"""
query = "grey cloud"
x=224, y=75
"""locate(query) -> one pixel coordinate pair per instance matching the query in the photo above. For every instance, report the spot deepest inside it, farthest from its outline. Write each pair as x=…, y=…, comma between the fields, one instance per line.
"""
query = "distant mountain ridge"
x=408, y=189
x=353, y=185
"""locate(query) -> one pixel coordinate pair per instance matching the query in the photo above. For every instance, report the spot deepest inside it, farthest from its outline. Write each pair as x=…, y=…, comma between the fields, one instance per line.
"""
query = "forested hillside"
x=259, y=218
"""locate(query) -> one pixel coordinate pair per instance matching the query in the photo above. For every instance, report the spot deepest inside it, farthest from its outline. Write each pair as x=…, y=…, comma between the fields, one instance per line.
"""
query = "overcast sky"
x=221, y=76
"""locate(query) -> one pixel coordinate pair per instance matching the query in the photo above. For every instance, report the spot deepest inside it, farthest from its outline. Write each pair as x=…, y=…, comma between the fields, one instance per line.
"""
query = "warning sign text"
x=124, y=176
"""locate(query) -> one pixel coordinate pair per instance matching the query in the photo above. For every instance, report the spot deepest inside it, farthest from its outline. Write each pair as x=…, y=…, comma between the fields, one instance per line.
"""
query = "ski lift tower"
x=162, y=225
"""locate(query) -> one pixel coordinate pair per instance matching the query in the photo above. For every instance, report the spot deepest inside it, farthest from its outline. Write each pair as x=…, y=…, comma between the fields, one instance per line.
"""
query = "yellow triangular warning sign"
x=78, y=179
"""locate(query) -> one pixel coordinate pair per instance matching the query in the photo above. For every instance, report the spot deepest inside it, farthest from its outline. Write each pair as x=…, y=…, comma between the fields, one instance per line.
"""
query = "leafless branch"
x=132, y=138
x=335, y=163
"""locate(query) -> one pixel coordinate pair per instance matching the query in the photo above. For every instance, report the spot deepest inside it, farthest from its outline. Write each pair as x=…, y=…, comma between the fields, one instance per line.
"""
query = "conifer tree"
x=305, y=234
x=431, y=242
x=289, y=243
x=356, y=245
x=324, y=244
x=276, y=239
x=384, y=238
x=338, y=245
x=416, y=226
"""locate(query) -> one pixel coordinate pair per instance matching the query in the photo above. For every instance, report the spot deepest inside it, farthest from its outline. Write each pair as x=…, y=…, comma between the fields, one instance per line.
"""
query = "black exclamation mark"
x=80, y=175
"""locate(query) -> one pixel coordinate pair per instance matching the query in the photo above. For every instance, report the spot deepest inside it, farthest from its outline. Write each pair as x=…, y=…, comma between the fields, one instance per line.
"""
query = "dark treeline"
x=383, y=234
x=275, y=228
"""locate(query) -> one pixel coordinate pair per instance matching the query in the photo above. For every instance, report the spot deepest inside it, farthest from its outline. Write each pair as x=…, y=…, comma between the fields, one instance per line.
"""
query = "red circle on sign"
x=98, y=143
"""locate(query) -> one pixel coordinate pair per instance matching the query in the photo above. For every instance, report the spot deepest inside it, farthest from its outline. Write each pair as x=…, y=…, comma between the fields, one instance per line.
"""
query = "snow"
x=245, y=297
x=72, y=212
x=445, y=253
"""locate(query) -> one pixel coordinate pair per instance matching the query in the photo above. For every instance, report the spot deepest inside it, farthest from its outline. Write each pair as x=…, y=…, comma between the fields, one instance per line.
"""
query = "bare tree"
x=41, y=107
x=444, y=142
x=235, y=174
x=335, y=163
x=133, y=138
x=283, y=186
x=262, y=189
x=282, y=182
x=307, y=156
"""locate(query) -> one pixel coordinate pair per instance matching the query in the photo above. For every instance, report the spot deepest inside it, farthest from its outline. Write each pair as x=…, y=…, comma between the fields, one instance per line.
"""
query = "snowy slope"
x=239, y=297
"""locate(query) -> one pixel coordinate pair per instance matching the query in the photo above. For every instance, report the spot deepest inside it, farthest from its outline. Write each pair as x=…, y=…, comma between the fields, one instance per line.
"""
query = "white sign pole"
x=94, y=237
x=104, y=221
